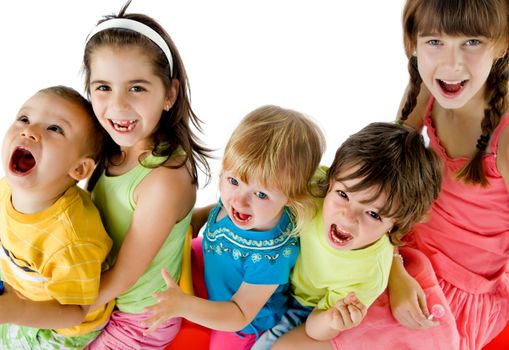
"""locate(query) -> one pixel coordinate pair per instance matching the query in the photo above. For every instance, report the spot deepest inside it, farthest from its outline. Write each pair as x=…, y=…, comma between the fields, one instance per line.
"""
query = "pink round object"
x=437, y=311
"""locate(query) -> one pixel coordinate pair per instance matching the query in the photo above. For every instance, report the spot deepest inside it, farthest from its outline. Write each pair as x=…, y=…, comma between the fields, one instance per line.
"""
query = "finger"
x=361, y=308
x=356, y=314
x=344, y=315
x=170, y=283
x=337, y=320
x=351, y=298
x=153, y=327
x=423, y=317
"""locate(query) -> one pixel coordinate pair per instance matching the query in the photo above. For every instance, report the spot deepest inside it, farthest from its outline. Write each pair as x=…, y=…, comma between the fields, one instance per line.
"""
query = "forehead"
x=56, y=108
x=127, y=60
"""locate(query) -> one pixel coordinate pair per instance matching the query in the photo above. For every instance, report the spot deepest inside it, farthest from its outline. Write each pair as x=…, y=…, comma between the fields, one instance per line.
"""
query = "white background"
x=340, y=62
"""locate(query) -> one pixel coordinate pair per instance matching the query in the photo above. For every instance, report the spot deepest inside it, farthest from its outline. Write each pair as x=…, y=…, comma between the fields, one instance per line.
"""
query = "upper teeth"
x=452, y=82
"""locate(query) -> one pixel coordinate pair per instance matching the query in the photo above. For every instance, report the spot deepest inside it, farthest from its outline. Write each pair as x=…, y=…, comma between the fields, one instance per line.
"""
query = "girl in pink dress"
x=459, y=258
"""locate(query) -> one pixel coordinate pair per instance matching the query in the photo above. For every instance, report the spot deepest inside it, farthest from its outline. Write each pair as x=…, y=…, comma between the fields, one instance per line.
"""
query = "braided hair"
x=488, y=18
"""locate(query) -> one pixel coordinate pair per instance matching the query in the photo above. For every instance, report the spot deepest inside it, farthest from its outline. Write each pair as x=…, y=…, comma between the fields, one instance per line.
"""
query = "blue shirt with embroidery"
x=233, y=256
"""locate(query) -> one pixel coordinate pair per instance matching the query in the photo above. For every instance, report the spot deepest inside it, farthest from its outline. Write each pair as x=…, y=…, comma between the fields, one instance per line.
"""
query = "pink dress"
x=466, y=242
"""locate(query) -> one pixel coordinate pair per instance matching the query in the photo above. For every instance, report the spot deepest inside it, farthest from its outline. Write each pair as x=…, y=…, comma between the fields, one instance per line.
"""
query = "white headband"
x=135, y=26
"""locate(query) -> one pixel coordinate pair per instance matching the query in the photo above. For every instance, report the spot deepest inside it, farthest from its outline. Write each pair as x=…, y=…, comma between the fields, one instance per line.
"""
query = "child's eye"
x=261, y=195
x=103, y=88
x=473, y=42
x=233, y=181
x=24, y=119
x=56, y=128
x=137, y=89
x=342, y=194
x=433, y=42
x=374, y=215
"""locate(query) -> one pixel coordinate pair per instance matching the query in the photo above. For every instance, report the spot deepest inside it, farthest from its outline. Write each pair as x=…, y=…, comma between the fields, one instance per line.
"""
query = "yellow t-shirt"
x=323, y=275
x=55, y=254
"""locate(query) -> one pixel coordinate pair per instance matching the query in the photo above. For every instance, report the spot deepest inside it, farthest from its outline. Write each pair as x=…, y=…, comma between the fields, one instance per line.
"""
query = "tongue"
x=452, y=88
x=23, y=161
x=338, y=234
x=242, y=216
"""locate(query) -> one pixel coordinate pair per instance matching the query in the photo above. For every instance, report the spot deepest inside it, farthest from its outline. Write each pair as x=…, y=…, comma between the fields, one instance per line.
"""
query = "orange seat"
x=191, y=335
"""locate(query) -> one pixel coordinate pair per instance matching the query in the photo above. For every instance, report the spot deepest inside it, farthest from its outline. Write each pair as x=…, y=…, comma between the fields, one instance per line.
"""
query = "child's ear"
x=83, y=169
x=172, y=95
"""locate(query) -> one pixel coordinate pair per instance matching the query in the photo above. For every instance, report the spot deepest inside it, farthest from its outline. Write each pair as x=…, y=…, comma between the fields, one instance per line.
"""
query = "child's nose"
x=350, y=215
x=240, y=199
x=119, y=101
x=453, y=58
x=32, y=132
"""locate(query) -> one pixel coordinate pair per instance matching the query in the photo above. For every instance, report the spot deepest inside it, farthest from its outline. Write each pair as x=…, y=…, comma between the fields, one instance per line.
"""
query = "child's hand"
x=408, y=303
x=347, y=313
x=168, y=306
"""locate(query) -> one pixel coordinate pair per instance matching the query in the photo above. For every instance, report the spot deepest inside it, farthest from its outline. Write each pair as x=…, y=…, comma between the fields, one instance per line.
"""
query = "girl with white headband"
x=146, y=187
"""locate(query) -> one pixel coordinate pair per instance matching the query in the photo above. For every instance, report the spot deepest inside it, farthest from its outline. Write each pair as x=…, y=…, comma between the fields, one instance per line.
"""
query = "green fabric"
x=323, y=275
x=27, y=338
x=114, y=198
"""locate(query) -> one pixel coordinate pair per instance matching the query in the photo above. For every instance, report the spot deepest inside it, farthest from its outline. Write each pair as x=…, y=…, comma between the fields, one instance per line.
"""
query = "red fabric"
x=500, y=342
x=191, y=335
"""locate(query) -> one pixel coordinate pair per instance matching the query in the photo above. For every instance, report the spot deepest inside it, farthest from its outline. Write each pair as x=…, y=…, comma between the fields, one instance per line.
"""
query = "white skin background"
x=340, y=62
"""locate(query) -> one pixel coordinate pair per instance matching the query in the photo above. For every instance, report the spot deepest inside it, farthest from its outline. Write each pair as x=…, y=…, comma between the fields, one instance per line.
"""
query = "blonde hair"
x=279, y=148
x=488, y=18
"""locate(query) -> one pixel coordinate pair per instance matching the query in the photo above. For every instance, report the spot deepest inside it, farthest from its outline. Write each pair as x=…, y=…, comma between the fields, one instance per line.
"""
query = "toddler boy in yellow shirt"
x=53, y=243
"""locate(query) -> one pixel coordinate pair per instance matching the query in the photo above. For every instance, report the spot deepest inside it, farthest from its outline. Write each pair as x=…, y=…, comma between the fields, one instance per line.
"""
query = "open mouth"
x=451, y=87
x=240, y=218
x=123, y=125
x=339, y=237
x=22, y=161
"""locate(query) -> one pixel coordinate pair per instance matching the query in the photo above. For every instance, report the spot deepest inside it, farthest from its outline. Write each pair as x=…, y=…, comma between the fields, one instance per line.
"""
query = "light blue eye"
x=473, y=42
x=261, y=195
x=233, y=181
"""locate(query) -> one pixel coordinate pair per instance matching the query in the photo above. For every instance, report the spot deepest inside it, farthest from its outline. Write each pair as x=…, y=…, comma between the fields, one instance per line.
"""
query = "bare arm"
x=199, y=219
x=230, y=316
x=163, y=198
x=38, y=314
x=407, y=299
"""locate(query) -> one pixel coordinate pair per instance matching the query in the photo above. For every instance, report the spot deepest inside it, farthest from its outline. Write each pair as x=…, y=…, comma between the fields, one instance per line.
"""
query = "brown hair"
x=488, y=18
x=174, y=128
x=96, y=133
x=278, y=148
x=394, y=159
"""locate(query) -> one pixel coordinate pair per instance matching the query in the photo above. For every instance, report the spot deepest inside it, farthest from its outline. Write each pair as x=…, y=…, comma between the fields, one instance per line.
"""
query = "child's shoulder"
x=83, y=217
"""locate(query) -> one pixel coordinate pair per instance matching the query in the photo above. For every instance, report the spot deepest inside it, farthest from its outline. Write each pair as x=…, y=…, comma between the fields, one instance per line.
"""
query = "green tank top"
x=113, y=196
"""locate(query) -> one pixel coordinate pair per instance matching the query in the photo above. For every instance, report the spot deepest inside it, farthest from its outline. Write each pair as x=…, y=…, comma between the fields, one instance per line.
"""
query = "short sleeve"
x=74, y=273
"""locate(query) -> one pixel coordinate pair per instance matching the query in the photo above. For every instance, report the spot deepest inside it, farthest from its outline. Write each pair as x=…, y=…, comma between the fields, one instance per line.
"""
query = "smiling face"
x=127, y=96
x=455, y=68
x=46, y=144
x=351, y=220
x=250, y=206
